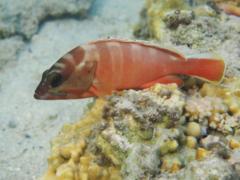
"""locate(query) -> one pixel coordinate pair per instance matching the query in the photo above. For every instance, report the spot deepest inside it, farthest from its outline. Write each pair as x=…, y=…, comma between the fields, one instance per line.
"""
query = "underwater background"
x=118, y=137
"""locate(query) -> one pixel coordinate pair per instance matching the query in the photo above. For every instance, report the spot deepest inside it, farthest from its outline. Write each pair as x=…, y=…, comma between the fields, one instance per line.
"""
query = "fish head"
x=69, y=78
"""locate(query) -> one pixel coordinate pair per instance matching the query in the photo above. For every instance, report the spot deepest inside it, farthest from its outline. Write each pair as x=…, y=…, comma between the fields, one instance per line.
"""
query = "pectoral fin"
x=101, y=89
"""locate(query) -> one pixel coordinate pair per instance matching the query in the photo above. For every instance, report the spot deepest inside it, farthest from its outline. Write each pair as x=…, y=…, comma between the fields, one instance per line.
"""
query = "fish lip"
x=49, y=95
x=41, y=96
x=36, y=96
x=40, y=92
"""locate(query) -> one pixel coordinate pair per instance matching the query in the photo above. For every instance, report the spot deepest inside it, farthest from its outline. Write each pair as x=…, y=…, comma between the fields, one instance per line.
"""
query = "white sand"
x=27, y=125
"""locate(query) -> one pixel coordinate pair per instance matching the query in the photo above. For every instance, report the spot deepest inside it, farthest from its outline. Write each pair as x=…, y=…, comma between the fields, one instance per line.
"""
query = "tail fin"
x=205, y=68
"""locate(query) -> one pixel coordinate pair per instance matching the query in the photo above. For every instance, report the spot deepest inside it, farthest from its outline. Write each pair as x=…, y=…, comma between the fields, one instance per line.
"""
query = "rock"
x=205, y=142
x=235, y=161
x=23, y=17
x=9, y=49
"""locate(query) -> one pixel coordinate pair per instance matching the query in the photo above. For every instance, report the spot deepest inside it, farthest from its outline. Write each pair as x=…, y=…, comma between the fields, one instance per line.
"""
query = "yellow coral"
x=201, y=153
x=156, y=10
x=229, y=92
x=70, y=160
x=191, y=142
x=169, y=146
x=218, y=104
x=171, y=164
x=194, y=129
x=234, y=144
x=108, y=150
x=175, y=167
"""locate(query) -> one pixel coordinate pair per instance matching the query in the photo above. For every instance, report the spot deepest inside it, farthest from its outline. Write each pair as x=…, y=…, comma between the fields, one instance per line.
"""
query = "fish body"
x=230, y=8
x=101, y=67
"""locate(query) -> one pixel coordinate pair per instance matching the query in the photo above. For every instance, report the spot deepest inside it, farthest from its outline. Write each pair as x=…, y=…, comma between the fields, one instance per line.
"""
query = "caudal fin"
x=205, y=68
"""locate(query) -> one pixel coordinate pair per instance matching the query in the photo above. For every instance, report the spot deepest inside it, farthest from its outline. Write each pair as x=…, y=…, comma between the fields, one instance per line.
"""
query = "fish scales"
x=128, y=65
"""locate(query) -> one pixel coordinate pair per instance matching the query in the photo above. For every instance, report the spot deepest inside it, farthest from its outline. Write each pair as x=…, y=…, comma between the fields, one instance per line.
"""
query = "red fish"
x=230, y=9
x=101, y=67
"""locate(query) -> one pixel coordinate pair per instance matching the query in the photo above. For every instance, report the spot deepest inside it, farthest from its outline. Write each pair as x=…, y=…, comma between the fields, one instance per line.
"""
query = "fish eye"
x=56, y=79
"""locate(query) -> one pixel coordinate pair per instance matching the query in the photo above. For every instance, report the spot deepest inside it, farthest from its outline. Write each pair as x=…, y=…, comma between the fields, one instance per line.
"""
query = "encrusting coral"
x=71, y=157
x=158, y=133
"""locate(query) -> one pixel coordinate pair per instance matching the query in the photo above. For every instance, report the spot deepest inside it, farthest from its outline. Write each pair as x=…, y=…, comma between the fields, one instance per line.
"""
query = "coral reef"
x=23, y=17
x=158, y=133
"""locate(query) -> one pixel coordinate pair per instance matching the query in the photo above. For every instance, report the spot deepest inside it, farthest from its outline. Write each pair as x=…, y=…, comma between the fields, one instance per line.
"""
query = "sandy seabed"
x=28, y=125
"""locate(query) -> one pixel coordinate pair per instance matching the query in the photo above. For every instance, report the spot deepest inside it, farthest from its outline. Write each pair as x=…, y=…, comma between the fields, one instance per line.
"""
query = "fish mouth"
x=43, y=94
x=69, y=93
x=37, y=96
x=50, y=96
